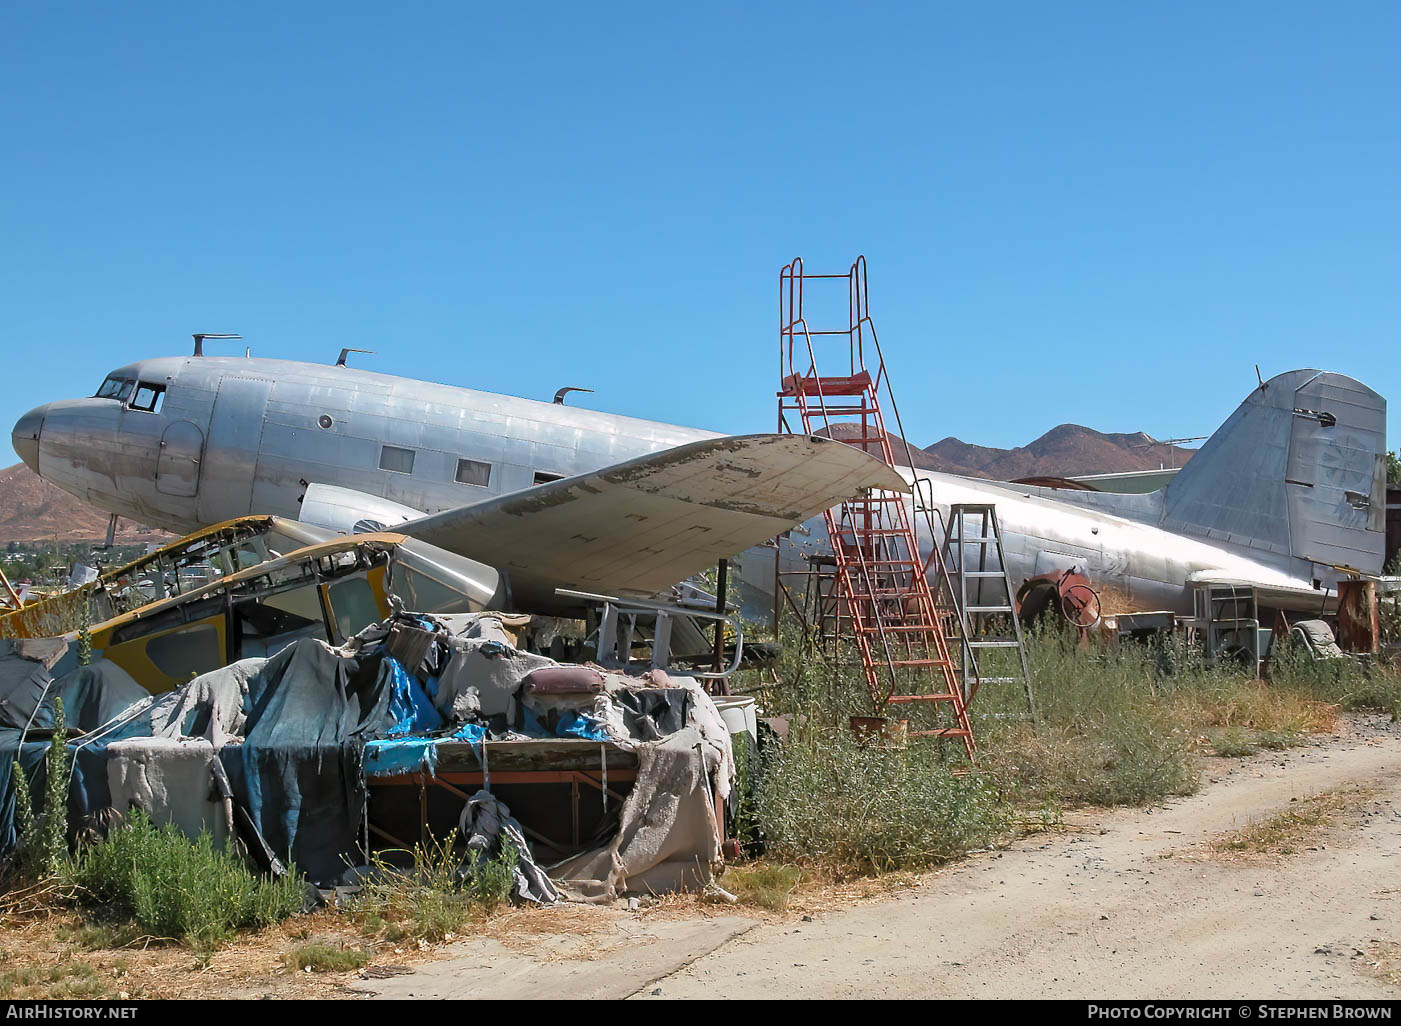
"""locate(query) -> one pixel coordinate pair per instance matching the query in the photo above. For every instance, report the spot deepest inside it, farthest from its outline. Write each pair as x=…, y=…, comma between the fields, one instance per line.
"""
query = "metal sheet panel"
x=1337, y=442
x=639, y=527
x=231, y=452
x=181, y=452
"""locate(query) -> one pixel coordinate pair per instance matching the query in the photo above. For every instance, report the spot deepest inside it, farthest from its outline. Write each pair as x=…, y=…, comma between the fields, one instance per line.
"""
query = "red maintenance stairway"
x=879, y=594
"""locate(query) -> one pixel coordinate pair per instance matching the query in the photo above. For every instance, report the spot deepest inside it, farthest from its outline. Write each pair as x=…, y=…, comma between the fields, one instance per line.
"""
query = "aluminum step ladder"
x=977, y=568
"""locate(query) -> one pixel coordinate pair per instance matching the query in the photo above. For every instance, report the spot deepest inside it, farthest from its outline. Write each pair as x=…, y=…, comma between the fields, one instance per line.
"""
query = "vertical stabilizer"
x=1299, y=469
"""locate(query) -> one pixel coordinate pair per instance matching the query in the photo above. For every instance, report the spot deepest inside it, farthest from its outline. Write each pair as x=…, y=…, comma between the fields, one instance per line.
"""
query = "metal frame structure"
x=879, y=596
x=537, y=765
x=623, y=622
x=1227, y=620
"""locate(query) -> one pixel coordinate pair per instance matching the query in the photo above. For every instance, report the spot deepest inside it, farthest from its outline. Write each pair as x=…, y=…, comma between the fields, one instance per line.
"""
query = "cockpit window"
x=148, y=398
x=116, y=388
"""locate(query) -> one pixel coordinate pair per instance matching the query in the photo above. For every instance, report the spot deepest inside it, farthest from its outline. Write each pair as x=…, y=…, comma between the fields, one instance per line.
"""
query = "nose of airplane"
x=26, y=437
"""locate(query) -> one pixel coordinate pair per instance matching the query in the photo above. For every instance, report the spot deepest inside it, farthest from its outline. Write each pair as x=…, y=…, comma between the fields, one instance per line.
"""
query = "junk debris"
x=302, y=758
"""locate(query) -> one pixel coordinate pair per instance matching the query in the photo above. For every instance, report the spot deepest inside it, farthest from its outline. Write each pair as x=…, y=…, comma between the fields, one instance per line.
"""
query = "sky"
x=1100, y=213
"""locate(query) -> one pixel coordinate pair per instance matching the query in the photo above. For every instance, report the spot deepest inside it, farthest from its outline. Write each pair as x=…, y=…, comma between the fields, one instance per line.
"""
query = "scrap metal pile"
x=284, y=754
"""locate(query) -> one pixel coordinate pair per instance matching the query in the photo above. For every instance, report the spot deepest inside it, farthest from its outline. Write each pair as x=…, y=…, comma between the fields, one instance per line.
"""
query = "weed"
x=69, y=980
x=43, y=832
x=1106, y=734
x=193, y=892
x=1232, y=744
x=747, y=828
x=95, y=936
x=1282, y=832
x=1344, y=682
x=325, y=957
x=827, y=796
x=437, y=895
x=767, y=885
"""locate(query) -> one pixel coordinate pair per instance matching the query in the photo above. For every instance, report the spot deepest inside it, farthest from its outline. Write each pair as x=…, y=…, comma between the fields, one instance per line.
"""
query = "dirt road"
x=1131, y=904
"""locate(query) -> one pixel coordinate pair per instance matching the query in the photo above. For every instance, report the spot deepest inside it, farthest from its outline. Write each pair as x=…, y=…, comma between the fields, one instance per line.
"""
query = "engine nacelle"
x=352, y=512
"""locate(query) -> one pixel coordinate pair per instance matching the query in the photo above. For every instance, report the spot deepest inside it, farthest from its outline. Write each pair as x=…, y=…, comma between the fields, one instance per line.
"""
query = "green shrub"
x=435, y=896
x=194, y=892
x=827, y=796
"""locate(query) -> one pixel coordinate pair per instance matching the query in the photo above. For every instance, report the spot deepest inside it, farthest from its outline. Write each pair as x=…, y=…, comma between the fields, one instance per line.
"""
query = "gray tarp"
x=667, y=833
x=274, y=746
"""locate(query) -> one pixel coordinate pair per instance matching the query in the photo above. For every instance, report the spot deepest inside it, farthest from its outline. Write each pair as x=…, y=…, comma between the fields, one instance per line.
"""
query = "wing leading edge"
x=640, y=526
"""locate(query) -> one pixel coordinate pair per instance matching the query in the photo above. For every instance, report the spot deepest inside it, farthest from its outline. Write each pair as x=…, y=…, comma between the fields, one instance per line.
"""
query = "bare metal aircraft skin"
x=1291, y=487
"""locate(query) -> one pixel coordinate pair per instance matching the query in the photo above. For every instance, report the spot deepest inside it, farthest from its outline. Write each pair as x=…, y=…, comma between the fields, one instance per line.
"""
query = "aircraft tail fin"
x=1298, y=469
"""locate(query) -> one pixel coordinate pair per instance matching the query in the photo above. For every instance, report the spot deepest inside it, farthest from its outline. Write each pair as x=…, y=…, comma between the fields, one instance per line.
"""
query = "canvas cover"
x=276, y=751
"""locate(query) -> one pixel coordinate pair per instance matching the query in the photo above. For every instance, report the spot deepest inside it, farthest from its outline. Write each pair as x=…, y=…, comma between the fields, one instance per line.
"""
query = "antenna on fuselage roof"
x=199, y=338
x=559, y=396
x=346, y=352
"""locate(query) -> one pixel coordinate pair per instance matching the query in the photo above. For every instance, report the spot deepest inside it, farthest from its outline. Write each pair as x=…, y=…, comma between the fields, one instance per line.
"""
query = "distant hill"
x=1065, y=451
x=921, y=459
x=32, y=510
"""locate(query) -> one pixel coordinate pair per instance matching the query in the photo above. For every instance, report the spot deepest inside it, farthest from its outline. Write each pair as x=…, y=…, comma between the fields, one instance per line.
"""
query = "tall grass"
x=1105, y=735
x=823, y=796
x=437, y=895
x=860, y=805
x=1117, y=726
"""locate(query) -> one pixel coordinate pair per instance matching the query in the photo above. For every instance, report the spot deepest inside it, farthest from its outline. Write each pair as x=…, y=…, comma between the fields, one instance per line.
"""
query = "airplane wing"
x=641, y=526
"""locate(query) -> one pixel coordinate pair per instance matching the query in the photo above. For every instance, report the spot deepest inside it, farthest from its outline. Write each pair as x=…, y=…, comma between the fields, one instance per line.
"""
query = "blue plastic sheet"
x=577, y=724
x=391, y=757
x=409, y=703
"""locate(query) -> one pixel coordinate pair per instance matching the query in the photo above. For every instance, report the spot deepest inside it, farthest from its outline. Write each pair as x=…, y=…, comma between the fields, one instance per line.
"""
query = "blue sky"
x=1101, y=213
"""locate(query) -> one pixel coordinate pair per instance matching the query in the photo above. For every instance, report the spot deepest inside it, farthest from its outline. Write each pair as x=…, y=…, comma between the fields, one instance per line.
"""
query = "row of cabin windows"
x=469, y=472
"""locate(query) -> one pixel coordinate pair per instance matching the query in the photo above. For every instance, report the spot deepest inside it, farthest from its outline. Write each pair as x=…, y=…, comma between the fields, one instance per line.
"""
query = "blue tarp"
x=91, y=697
x=309, y=713
x=396, y=756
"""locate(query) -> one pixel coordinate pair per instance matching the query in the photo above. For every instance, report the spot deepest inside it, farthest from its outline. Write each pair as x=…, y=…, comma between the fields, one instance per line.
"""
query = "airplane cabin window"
x=194, y=649
x=473, y=472
x=115, y=388
x=545, y=477
x=400, y=461
x=148, y=398
x=423, y=593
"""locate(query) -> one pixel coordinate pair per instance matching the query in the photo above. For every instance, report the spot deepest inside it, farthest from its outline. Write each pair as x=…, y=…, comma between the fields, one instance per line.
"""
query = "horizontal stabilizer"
x=641, y=526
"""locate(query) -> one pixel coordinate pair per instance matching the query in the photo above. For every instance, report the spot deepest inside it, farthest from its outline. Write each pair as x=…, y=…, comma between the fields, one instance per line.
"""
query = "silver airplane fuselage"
x=184, y=442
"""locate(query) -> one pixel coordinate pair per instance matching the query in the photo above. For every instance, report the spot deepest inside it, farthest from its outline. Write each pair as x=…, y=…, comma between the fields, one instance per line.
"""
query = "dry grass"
x=1383, y=961
x=1240, y=716
x=68, y=980
x=253, y=965
x=1285, y=832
